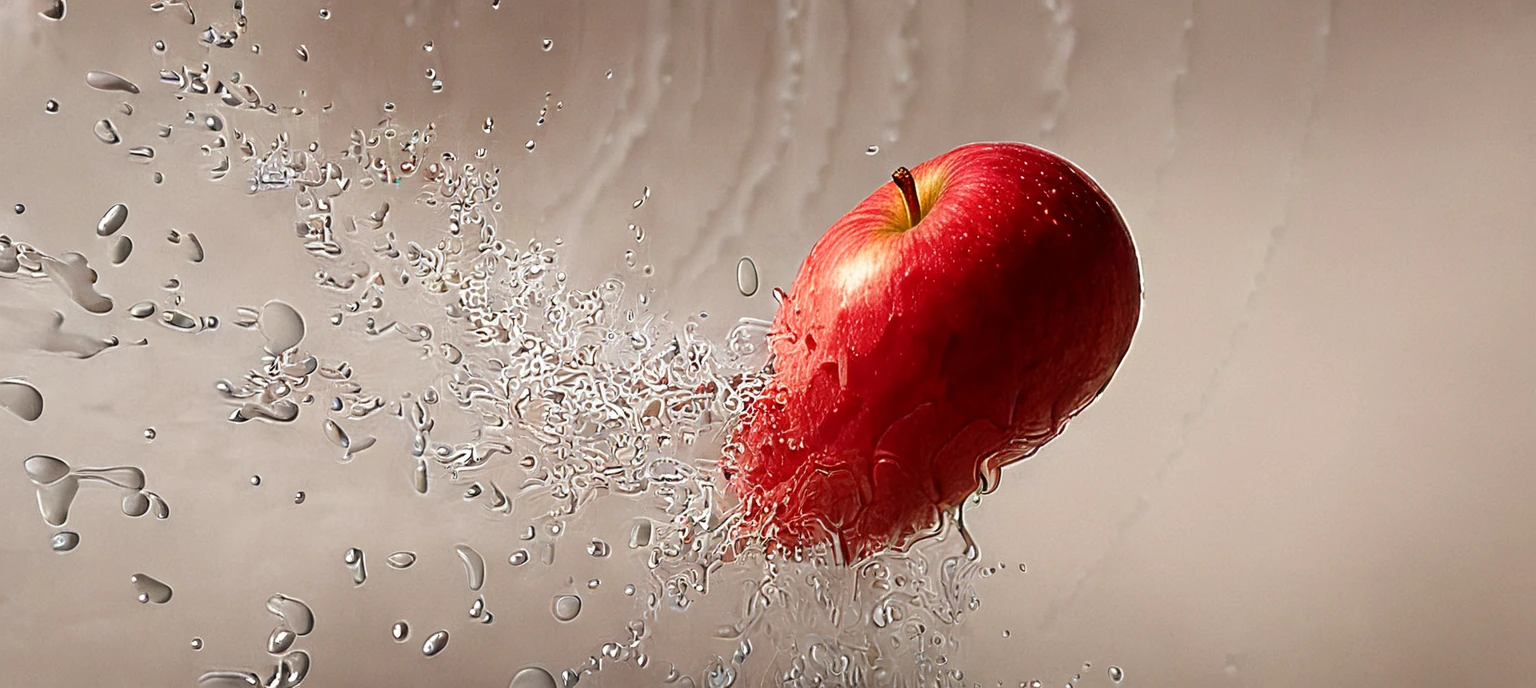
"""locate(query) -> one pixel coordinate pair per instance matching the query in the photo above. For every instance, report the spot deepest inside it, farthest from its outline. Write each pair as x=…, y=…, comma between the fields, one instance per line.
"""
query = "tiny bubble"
x=20, y=208
x=427, y=46
x=549, y=44
x=325, y=13
x=255, y=480
x=51, y=106
x=529, y=145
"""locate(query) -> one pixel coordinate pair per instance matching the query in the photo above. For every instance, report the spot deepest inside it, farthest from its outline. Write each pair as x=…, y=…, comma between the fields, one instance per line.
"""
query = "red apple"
x=950, y=324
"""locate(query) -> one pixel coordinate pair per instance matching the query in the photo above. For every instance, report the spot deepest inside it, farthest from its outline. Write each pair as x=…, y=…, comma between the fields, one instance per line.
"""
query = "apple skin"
x=910, y=362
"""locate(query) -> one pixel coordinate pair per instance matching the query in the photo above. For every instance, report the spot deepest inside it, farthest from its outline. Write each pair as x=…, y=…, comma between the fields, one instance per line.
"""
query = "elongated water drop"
x=107, y=81
x=112, y=220
x=474, y=565
x=149, y=589
x=106, y=132
x=746, y=276
x=435, y=643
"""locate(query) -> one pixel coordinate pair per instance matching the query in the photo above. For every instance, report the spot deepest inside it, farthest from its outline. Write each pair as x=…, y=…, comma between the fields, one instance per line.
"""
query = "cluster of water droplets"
x=584, y=402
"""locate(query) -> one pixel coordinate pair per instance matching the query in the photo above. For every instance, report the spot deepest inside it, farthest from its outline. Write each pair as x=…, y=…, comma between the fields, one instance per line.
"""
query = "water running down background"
x=424, y=319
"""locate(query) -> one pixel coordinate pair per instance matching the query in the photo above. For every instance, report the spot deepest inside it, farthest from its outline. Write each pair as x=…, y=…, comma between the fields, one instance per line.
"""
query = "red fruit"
x=912, y=359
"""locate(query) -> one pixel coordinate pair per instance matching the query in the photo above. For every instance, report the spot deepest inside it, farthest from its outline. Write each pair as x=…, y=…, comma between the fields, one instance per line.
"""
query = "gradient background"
x=1313, y=468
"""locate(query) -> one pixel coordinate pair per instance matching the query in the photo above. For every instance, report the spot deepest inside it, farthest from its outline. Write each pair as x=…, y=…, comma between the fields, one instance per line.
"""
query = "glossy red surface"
x=910, y=361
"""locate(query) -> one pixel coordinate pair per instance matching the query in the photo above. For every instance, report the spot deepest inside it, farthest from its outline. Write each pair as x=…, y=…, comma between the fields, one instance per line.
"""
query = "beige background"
x=1312, y=469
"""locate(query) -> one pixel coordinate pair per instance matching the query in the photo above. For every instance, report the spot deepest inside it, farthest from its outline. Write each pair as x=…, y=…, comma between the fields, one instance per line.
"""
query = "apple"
x=951, y=323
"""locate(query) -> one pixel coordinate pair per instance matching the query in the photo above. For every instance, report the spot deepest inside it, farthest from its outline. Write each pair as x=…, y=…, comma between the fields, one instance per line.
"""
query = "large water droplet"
x=149, y=589
x=474, y=565
x=112, y=220
x=119, y=251
x=228, y=679
x=64, y=541
x=21, y=398
x=400, y=631
x=55, y=11
x=353, y=558
x=746, y=276
x=280, y=641
x=106, y=132
x=281, y=325
x=435, y=643
x=45, y=470
x=336, y=435
x=566, y=607
x=401, y=560
x=295, y=614
x=533, y=677
x=107, y=81
x=1116, y=674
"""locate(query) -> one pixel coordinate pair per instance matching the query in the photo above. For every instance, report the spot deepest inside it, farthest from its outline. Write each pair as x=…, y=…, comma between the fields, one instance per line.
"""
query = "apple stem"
x=903, y=178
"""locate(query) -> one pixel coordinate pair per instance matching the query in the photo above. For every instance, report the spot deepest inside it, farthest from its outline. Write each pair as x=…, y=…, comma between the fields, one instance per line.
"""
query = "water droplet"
x=64, y=541
x=107, y=81
x=112, y=220
x=518, y=558
x=548, y=45
x=142, y=153
x=106, y=132
x=51, y=107
x=640, y=533
x=629, y=590
x=400, y=631
x=533, y=677
x=303, y=52
x=159, y=46
x=121, y=248
x=298, y=497
x=566, y=607
x=1007, y=633
x=401, y=560
x=149, y=589
x=474, y=565
x=255, y=481
x=282, y=326
x=419, y=476
x=336, y=435
x=23, y=399
x=598, y=548
x=428, y=46
x=325, y=13
x=228, y=679
x=149, y=434
x=142, y=309
x=490, y=124
x=746, y=276
x=530, y=145
x=197, y=643
x=1116, y=674
x=609, y=75
x=296, y=615
x=871, y=150
x=280, y=641
x=55, y=11
x=435, y=643
x=353, y=558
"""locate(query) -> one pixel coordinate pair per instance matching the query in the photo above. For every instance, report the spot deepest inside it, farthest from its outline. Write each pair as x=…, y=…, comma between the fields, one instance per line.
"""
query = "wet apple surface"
x=950, y=324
